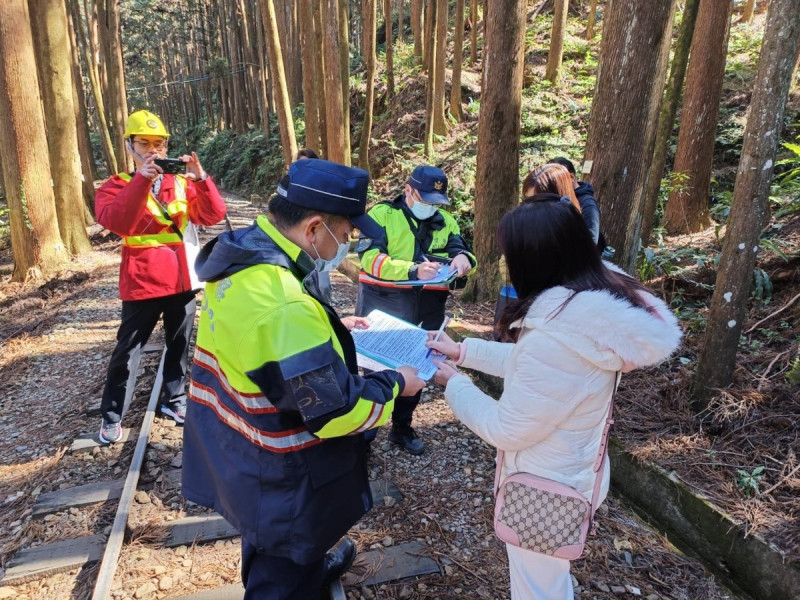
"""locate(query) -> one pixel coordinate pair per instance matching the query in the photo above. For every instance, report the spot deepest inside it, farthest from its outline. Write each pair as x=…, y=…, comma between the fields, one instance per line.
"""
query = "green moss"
x=23, y=202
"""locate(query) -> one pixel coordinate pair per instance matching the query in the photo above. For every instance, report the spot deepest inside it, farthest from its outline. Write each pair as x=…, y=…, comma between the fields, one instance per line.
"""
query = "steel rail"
x=108, y=566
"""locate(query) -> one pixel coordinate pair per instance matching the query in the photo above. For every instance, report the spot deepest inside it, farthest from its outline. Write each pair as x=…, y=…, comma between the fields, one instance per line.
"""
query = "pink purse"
x=543, y=515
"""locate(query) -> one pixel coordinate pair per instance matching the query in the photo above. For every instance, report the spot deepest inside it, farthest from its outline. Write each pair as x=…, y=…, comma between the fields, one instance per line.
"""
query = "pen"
x=439, y=334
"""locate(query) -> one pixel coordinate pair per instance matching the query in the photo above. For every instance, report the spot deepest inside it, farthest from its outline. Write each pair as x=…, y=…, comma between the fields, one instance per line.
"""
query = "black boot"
x=338, y=559
x=407, y=439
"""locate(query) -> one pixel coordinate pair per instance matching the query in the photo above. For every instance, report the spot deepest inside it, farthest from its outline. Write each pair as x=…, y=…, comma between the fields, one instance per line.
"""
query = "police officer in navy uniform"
x=417, y=237
x=274, y=435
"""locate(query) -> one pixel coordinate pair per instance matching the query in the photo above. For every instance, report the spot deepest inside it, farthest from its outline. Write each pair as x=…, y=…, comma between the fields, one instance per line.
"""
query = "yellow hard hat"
x=143, y=122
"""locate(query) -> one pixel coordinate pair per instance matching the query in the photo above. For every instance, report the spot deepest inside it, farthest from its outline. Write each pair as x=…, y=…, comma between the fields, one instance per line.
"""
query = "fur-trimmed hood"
x=558, y=380
x=606, y=330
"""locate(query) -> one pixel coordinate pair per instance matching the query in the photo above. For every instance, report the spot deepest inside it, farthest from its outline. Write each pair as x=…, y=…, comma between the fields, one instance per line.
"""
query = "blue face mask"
x=423, y=211
x=322, y=265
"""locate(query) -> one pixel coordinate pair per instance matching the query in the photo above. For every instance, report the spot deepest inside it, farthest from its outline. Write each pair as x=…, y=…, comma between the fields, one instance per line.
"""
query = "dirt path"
x=56, y=341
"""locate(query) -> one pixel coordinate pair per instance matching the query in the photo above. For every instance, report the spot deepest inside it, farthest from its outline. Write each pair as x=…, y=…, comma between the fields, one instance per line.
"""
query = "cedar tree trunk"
x=666, y=119
x=458, y=58
x=497, y=170
x=306, y=19
x=439, y=64
x=319, y=75
x=688, y=204
x=344, y=66
x=416, y=29
x=430, y=50
x=387, y=16
x=35, y=239
x=334, y=107
x=592, y=19
x=369, y=10
x=473, y=33
x=51, y=39
x=117, y=105
x=288, y=141
x=630, y=83
x=750, y=205
x=553, y=72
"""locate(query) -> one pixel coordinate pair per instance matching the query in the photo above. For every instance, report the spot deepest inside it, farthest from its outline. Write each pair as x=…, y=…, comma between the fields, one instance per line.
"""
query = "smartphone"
x=171, y=165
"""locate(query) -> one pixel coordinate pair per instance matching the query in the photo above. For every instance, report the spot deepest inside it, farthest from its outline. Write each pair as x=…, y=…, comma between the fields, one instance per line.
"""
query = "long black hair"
x=546, y=244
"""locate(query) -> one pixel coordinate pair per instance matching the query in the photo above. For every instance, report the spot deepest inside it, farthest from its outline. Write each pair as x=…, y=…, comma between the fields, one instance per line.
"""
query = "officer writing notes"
x=273, y=432
x=416, y=238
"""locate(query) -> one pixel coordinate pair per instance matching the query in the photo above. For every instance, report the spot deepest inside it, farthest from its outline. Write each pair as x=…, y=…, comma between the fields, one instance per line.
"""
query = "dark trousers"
x=276, y=578
x=415, y=305
x=139, y=318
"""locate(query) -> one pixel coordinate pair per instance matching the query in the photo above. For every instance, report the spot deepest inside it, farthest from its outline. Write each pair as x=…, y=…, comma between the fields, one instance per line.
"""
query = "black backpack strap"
x=165, y=214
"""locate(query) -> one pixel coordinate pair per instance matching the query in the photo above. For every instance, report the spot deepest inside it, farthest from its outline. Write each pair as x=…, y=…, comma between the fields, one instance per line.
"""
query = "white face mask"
x=423, y=211
x=322, y=265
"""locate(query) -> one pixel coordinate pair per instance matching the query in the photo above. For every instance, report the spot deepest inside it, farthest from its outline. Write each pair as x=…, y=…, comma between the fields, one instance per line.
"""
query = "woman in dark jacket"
x=553, y=179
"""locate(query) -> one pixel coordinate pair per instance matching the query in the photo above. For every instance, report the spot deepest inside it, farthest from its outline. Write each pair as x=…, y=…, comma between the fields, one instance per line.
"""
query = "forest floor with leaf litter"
x=55, y=340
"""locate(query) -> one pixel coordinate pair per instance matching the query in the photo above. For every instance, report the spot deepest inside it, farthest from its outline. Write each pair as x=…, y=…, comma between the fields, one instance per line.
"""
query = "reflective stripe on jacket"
x=153, y=261
x=391, y=257
x=175, y=216
x=271, y=435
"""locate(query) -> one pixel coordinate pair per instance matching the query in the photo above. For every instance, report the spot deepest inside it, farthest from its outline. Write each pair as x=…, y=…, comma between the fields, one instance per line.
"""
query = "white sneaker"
x=176, y=412
x=110, y=433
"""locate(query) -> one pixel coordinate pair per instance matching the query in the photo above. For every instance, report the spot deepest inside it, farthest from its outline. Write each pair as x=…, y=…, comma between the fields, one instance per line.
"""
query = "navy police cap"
x=431, y=183
x=331, y=188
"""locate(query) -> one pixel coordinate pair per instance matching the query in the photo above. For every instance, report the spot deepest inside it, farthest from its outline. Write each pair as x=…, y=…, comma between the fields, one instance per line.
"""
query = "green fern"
x=748, y=482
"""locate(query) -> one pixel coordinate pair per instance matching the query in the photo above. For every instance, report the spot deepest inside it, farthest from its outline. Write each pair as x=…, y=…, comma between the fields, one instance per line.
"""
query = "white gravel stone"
x=148, y=590
x=165, y=583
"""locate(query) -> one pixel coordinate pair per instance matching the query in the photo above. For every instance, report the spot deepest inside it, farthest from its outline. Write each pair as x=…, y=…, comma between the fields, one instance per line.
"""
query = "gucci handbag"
x=546, y=516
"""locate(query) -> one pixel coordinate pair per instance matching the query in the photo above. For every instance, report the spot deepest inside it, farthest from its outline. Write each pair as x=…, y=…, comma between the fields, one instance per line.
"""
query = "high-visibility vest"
x=176, y=210
x=263, y=341
x=383, y=266
x=232, y=341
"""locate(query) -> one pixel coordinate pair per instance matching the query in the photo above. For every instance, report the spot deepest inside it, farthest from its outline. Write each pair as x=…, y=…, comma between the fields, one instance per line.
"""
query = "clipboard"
x=390, y=342
x=444, y=276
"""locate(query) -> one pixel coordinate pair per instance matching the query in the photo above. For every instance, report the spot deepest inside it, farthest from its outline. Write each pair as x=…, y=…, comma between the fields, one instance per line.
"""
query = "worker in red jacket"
x=151, y=210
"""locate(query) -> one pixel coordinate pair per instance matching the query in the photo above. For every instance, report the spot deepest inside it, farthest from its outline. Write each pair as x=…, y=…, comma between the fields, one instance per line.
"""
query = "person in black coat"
x=585, y=194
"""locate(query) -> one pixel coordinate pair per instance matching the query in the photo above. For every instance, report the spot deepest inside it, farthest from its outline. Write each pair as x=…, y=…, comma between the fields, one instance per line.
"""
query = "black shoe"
x=407, y=440
x=338, y=559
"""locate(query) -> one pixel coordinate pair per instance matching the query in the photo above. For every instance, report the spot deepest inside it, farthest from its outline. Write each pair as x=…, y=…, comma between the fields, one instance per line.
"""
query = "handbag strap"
x=599, y=461
x=601, y=457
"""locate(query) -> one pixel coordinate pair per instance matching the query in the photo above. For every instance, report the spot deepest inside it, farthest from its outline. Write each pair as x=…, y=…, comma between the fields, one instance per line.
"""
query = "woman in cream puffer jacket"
x=576, y=324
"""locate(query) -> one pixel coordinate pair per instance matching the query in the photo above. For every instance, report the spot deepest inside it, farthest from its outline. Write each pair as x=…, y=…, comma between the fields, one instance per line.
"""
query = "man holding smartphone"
x=150, y=211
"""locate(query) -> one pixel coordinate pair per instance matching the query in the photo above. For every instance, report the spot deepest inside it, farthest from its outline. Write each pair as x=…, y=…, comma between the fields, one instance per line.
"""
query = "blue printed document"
x=390, y=342
x=445, y=275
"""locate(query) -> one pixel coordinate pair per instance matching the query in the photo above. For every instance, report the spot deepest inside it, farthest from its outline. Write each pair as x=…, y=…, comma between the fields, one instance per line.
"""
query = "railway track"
x=41, y=561
x=143, y=495
x=60, y=491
